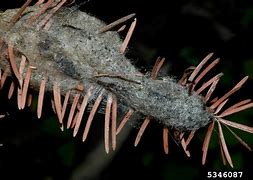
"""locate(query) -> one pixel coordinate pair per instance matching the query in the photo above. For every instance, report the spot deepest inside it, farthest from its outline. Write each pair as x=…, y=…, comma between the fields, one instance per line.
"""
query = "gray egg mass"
x=73, y=47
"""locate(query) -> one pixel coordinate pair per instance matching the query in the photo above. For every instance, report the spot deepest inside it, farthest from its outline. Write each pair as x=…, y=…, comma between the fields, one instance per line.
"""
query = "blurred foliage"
x=67, y=153
x=247, y=18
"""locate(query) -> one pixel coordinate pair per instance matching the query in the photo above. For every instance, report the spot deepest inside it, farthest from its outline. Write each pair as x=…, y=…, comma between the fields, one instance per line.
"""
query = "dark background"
x=183, y=32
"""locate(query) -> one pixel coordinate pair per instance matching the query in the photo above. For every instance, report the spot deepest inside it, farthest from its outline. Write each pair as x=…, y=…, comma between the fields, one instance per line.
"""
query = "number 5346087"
x=226, y=174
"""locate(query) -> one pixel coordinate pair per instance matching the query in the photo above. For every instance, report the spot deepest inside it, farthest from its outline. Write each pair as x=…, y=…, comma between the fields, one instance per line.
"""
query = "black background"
x=183, y=32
